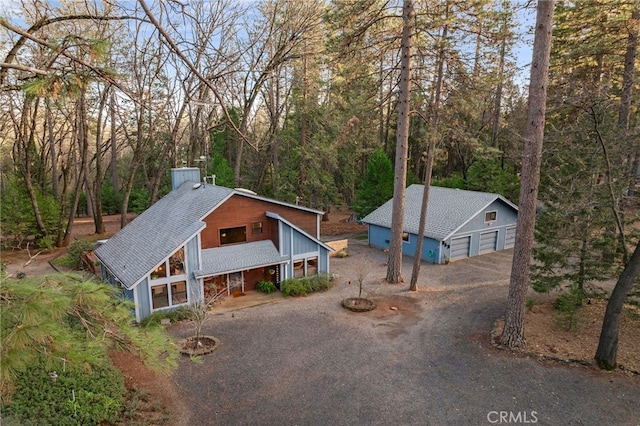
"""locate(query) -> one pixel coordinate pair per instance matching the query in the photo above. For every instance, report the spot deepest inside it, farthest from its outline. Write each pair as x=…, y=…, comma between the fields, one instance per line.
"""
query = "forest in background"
x=298, y=101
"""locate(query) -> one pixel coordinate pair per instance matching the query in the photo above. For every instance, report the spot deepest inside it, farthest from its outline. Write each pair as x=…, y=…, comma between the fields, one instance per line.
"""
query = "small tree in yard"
x=360, y=304
x=198, y=313
x=362, y=270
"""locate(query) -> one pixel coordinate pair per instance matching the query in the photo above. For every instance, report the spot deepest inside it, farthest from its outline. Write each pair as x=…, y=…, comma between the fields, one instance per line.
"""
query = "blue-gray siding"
x=472, y=238
x=192, y=263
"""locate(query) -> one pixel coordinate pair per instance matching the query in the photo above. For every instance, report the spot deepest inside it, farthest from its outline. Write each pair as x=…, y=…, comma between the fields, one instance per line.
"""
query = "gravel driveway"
x=308, y=361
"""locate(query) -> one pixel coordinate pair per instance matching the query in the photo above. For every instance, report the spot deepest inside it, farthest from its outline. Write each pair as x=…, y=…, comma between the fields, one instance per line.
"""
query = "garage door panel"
x=510, y=238
x=488, y=242
x=460, y=247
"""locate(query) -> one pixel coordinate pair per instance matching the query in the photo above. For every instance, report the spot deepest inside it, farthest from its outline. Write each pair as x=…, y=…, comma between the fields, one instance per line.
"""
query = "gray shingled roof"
x=154, y=235
x=239, y=257
x=448, y=210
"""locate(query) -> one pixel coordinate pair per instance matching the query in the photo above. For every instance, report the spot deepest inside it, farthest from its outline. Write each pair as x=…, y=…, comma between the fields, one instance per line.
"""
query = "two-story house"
x=200, y=237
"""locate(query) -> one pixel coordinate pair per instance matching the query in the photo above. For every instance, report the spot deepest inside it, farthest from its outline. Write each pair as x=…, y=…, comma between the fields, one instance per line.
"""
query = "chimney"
x=184, y=174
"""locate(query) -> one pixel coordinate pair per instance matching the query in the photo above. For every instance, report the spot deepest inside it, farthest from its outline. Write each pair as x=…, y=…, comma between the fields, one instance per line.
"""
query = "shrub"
x=75, y=252
x=305, y=285
x=81, y=394
x=530, y=304
x=155, y=319
x=266, y=286
x=295, y=287
x=320, y=282
x=567, y=305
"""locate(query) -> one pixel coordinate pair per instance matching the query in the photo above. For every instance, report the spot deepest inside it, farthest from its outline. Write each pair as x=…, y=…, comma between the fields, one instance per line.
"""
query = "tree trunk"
x=608, y=344
x=114, y=146
x=83, y=146
x=513, y=334
x=394, y=266
x=52, y=150
x=625, y=96
x=28, y=125
x=495, y=128
x=417, y=261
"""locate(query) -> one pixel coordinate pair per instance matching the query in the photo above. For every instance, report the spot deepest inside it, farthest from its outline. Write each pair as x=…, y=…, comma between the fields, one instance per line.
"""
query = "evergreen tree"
x=69, y=319
x=376, y=186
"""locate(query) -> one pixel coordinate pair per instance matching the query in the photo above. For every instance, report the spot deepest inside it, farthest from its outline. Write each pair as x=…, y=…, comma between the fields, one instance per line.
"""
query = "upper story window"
x=490, y=216
x=256, y=228
x=233, y=235
x=405, y=236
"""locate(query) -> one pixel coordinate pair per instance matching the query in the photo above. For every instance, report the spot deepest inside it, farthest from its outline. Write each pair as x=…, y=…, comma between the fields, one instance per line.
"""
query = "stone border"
x=201, y=351
x=348, y=304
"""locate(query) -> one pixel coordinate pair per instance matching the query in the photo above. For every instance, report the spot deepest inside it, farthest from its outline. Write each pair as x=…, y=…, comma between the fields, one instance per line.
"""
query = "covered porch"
x=238, y=268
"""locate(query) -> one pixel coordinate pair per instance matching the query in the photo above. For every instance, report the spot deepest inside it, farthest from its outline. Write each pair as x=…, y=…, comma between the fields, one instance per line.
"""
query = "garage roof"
x=448, y=210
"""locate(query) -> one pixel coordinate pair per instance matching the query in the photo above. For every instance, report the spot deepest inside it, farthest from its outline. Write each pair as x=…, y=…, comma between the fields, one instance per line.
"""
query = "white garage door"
x=460, y=247
x=488, y=242
x=510, y=238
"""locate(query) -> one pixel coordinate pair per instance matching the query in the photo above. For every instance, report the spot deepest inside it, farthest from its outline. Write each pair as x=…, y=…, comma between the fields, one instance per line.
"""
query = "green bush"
x=81, y=394
x=266, y=286
x=305, y=285
x=320, y=282
x=295, y=287
x=75, y=252
x=568, y=304
x=179, y=314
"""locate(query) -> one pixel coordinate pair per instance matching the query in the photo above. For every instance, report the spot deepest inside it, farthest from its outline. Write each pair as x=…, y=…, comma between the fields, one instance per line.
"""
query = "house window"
x=312, y=266
x=160, y=296
x=176, y=263
x=178, y=292
x=169, y=285
x=490, y=216
x=233, y=235
x=256, y=228
x=405, y=236
x=298, y=269
x=160, y=272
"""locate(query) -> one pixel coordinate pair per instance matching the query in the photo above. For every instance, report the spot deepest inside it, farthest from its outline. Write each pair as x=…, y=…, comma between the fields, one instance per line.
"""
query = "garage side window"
x=490, y=216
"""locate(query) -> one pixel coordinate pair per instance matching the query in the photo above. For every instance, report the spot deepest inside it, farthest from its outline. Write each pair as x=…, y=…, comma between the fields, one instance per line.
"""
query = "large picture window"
x=168, y=282
x=233, y=235
x=312, y=266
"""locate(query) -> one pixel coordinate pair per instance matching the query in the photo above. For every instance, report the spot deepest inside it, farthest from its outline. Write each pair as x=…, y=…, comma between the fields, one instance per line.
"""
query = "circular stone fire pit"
x=358, y=304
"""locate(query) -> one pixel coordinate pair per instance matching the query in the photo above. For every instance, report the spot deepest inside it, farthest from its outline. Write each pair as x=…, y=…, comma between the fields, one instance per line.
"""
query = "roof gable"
x=164, y=227
x=448, y=210
x=159, y=231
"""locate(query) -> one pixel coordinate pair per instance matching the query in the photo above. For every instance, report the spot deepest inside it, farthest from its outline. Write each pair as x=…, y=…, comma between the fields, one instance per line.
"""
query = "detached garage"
x=460, y=224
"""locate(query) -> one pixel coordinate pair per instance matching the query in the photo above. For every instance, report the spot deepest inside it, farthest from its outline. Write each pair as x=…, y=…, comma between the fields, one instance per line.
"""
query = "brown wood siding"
x=243, y=211
x=252, y=277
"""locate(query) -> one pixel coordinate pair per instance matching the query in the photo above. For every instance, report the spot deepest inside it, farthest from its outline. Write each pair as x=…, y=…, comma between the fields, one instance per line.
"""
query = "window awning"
x=239, y=257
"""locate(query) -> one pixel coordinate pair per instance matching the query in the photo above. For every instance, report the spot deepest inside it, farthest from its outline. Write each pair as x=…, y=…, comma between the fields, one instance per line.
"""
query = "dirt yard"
x=545, y=338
